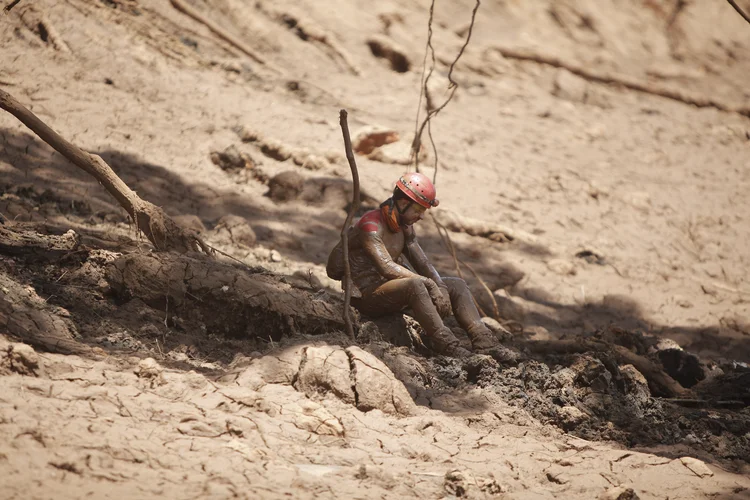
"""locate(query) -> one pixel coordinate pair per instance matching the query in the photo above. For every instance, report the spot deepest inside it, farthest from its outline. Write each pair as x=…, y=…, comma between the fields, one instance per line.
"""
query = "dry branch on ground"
x=306, y=30
x=236, y=301
x=13, y=242
x=221, y=33
x=474, y=227
x=159, y=228
x=611, y=78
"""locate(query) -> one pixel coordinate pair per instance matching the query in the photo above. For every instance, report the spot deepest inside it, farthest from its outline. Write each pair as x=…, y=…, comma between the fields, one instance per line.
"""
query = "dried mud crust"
x=588, y=394
x=569, y=168
x=133, y=427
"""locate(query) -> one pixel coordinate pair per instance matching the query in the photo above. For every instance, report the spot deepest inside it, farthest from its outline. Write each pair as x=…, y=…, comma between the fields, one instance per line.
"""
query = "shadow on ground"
x=40, y=185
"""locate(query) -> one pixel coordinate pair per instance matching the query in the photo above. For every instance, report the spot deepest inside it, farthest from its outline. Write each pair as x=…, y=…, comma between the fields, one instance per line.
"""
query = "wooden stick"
x=349, y=217
x=158, y=227
x=626, y=81
x=739, y=10
x=19, y=242
x=11, y=5
x=220, y=32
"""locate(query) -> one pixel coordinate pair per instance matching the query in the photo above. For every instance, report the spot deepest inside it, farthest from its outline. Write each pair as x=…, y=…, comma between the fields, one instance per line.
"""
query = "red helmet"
x=419, y=188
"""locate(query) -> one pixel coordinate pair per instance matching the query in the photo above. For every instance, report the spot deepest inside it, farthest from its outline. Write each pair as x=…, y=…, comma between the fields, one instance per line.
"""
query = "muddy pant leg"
x=467, y=314
x=464, y=308
x=396, y=295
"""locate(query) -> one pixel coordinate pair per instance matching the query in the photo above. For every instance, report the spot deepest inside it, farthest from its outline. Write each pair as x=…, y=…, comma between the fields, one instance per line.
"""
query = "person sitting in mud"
x=382, y=286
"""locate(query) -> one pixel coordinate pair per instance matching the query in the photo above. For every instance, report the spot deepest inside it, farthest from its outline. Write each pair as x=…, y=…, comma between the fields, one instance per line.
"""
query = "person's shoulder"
x=370, y=222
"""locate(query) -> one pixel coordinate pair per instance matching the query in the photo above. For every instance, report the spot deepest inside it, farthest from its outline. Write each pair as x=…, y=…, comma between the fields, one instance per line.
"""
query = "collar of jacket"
x=390, y=215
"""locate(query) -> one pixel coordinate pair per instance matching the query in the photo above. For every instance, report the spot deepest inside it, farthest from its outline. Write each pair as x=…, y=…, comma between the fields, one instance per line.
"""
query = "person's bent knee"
x=415, y=285
x=455, y=285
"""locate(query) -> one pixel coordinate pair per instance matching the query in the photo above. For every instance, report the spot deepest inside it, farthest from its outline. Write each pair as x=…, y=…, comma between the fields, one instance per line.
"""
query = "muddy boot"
x=444, y=342
x=483, y=341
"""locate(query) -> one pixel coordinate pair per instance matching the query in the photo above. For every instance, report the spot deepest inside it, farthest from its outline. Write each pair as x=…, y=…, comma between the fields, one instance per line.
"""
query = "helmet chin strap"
x=402, y=212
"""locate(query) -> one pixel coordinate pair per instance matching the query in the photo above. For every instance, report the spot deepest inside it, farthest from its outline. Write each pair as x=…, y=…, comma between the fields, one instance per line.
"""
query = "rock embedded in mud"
x=149, y=368
x=619, y=493
x=456, y=483
x=697, y=467
x=569, y=86
x=561, y=267
x=325, y=369
x=376, y=386
x=286, y=186
x=634, y=383
x=383, y=47
x=591, y=372
x=20, y=359
x=570, y=417
x=370, y=138
x=235, y=229
x=231, y=159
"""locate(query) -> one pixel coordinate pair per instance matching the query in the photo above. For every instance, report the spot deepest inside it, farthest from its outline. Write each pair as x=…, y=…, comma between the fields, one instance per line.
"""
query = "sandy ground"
x=630, y=207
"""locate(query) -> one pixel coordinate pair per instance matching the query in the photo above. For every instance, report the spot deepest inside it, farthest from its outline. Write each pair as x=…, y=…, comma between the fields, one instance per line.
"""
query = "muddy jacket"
x=375, y=252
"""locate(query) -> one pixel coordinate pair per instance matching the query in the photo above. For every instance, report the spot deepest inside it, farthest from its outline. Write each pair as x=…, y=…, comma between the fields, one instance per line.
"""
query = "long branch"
x=739, y=10
x=159, y=228
x=219, y=31
x=92, y=164
x=11, y=5
x=626, y=81
x=349, y=217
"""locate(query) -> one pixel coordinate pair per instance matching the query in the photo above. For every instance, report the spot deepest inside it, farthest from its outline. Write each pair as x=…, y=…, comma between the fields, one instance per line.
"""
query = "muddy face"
x=413, y=214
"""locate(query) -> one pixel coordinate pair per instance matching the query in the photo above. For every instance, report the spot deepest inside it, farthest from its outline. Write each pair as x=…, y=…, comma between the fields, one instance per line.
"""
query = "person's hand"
x=440, y=298
x=444, y=306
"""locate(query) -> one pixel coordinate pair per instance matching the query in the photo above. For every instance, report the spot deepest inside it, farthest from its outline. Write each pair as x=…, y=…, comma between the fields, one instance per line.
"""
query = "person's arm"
x=436, y=286
x=419, y=259
x=375, y=249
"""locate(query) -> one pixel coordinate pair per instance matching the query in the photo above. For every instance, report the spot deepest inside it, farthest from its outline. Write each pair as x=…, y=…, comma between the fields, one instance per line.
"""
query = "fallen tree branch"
x=11, y=5
x=308, y=30
x=732, y=404
x=619, y=79
x=659, y=382
x=24, y=315
x=349, y=217
x=30, y=242
x=475, y=227
x=158, y=227
x=220, y=32
x=253, y=302
x=739, y=10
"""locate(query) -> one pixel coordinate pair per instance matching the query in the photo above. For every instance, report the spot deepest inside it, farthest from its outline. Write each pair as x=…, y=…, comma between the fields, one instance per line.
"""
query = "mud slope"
x=592, y=170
